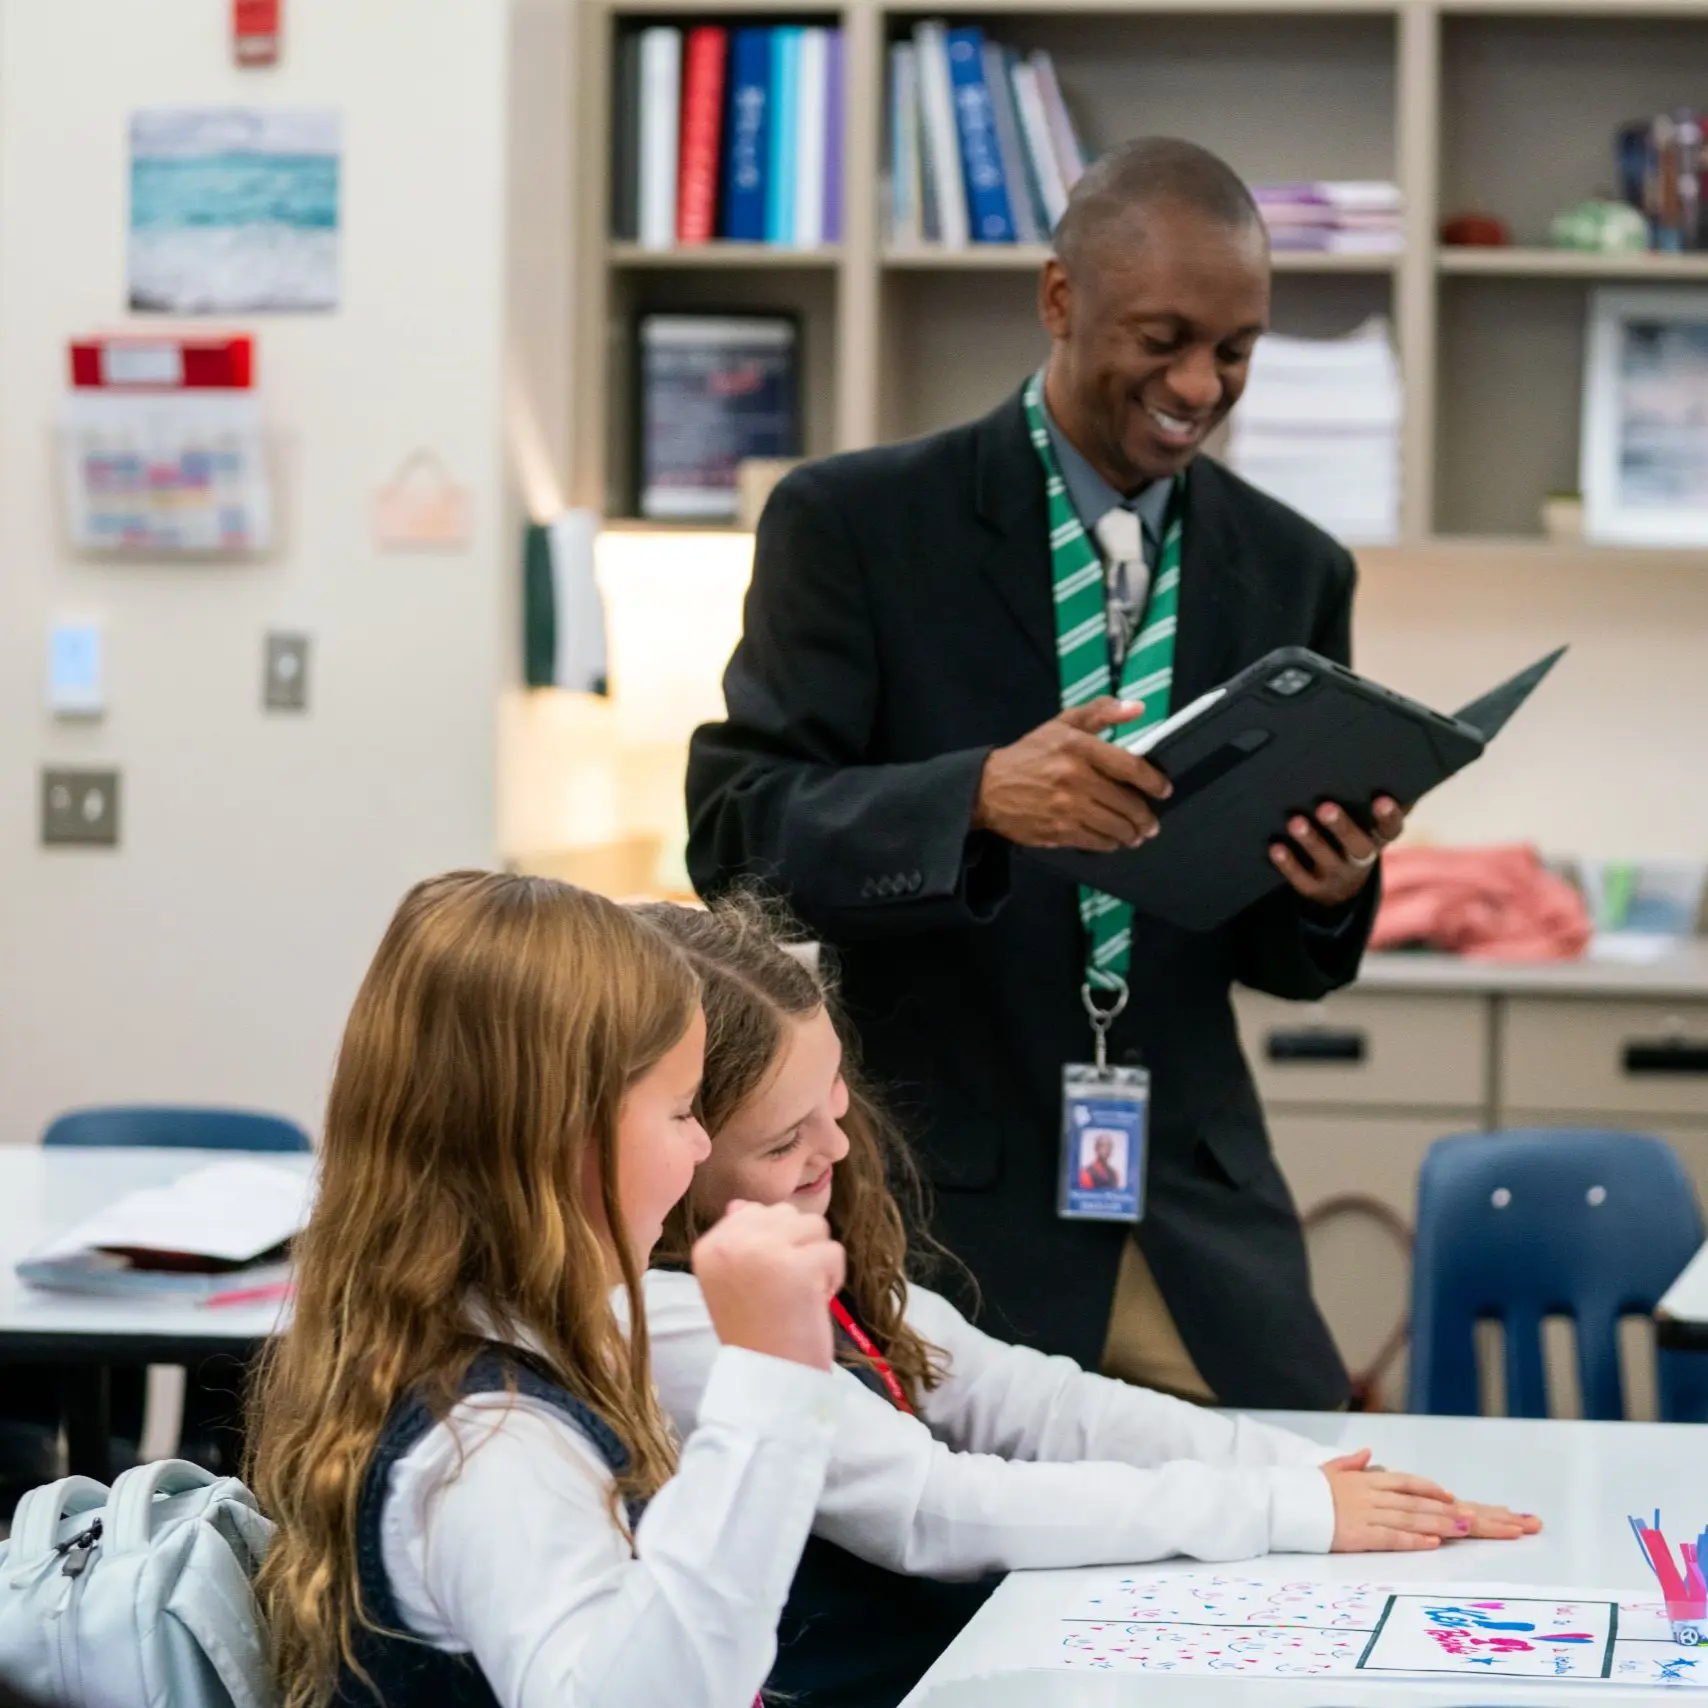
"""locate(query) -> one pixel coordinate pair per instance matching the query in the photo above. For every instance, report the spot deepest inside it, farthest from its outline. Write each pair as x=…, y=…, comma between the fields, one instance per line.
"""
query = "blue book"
x=991, y=216
x=747, y=152
x=785, y=117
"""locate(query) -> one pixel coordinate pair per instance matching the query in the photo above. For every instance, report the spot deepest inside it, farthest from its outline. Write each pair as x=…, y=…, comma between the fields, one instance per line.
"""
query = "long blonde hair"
x=751, y=985
x=476, y=1094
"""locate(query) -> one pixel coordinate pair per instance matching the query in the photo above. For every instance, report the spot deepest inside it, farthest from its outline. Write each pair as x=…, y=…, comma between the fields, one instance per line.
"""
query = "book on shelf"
x=1661, y=164
x=749, y=145
x=702, y=127
x=660, y=118
x=989, y=217
x=1333, y=217
x=728, y=133
x=981, y=146
x=715, y=390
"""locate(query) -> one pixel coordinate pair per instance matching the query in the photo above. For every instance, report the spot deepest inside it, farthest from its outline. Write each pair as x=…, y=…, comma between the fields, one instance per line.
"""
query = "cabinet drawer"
x=1616, y=1058
x=1367, y=1047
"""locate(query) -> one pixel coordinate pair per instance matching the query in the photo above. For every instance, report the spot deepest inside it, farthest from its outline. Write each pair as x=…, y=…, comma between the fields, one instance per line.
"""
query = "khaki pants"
x=1144, y=1346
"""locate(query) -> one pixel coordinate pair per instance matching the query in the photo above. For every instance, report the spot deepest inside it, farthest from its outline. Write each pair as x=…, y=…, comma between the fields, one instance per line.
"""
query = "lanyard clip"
x=1103, y=1017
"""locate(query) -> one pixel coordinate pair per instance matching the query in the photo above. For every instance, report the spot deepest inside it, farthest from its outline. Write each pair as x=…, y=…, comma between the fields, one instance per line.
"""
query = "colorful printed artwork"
x=1209, y=1623
x=1517, y=1638
x=234, y=210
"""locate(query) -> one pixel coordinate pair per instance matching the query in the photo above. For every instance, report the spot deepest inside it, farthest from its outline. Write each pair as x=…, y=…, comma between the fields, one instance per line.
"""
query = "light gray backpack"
x=137, y=1597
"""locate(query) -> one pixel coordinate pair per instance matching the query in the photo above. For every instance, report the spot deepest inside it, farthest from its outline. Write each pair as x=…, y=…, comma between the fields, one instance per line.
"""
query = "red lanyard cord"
x=864, y=1344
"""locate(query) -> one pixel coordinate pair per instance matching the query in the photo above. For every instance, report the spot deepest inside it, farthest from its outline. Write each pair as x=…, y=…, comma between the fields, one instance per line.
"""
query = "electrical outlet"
x=80, y=809
x=285, y=682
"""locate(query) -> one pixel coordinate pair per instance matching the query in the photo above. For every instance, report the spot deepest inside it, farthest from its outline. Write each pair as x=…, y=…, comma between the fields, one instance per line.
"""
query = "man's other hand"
x=1333, y=857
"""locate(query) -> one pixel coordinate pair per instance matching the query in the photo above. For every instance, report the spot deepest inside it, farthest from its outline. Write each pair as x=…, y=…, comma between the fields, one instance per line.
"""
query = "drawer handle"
x=1316, y=1045
x=1666, y=1055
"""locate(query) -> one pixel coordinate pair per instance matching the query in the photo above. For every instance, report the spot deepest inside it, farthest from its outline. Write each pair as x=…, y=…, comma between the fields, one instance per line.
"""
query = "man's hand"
x=1339, y=856
x=1061, y=787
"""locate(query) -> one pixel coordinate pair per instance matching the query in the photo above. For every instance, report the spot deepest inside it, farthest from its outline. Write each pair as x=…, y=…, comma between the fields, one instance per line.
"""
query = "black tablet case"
x=1288, y=733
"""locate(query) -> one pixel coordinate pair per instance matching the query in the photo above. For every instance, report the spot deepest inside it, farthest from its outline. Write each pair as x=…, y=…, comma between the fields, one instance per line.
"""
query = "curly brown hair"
x=757, y=972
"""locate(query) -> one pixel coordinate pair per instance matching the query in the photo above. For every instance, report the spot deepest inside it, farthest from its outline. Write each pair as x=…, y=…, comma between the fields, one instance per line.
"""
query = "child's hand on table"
x=1377, y=1511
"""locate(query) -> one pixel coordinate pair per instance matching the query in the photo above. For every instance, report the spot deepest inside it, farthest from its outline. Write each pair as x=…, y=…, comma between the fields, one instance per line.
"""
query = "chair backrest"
x=1524, y=1225
x=166, y=1128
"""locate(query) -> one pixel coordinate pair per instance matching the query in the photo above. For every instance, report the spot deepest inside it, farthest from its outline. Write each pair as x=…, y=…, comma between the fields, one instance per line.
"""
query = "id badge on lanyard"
x=1105, y=1114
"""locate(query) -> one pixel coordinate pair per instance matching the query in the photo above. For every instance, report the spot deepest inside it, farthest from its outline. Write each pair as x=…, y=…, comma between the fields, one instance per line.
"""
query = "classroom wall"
x=213, y=955
x=1607, y=760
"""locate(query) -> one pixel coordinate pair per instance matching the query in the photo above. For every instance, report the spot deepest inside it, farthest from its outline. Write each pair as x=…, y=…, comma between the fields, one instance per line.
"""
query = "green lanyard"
x=1082, y=655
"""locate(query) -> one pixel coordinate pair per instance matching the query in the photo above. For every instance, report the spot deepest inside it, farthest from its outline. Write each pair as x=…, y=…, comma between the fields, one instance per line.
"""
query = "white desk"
x=44, y=1192
x=1583, y=1479
x=1681, y=1318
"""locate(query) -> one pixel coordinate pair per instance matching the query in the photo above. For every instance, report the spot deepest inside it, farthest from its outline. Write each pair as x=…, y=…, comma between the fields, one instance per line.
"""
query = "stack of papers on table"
x=213, y=1230
x=1319, y=428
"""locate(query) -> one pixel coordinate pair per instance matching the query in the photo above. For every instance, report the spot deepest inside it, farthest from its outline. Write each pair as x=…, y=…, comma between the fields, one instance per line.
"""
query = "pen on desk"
x=252, y=1295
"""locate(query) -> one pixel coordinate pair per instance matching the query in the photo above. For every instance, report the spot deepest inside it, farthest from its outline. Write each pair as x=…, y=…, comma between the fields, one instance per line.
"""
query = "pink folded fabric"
x=1490, y=904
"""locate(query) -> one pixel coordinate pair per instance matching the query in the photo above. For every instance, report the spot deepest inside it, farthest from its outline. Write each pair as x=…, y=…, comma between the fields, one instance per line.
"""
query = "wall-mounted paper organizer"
x=162, y=448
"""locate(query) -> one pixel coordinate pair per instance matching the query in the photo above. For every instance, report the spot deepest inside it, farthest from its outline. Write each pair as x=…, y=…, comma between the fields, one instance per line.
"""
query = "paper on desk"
x=229, y=1212
x=1211, y=1623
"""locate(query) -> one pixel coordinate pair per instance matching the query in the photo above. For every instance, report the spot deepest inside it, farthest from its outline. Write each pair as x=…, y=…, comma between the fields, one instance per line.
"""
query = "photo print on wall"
x=234, y=210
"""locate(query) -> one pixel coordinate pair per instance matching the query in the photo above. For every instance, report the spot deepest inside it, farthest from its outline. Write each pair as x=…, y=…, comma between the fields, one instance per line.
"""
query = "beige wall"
x=212, y=957
x=1611, y=757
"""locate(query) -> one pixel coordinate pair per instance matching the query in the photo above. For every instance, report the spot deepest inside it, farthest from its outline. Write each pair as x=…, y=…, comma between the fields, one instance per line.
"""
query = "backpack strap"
x=130, y=1507
x=35, y=1525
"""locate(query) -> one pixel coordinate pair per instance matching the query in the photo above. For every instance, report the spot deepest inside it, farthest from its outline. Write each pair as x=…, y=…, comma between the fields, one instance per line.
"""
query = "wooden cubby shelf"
x=759, y=256
x=1507, y=107
x=1029, y=257
x=1565, y=264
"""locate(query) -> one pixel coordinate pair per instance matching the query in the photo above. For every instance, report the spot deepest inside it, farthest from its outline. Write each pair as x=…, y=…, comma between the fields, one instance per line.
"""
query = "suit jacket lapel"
x=1215, y=576
x=1010, y=499
x=1213, y=590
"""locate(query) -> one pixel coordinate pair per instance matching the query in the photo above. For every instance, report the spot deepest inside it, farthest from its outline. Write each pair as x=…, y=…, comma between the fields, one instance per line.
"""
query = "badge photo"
x=1103, y=1144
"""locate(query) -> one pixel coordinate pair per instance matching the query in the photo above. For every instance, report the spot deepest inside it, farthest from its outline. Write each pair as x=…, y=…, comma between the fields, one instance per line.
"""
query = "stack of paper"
x=1319, y=427
x=211, y=1231
x=1332, y=217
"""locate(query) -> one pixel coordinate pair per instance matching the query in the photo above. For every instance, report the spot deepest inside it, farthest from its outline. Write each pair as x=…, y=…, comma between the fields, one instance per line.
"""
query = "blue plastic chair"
x=1524, y=1225
x=167, y=1128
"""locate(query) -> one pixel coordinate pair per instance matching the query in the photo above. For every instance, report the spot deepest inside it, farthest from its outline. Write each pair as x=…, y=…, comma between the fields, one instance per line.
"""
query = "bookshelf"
x=1503, y=106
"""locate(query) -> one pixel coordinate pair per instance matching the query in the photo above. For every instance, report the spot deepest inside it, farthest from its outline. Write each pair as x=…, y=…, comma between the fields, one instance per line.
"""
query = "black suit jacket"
x=899, y=626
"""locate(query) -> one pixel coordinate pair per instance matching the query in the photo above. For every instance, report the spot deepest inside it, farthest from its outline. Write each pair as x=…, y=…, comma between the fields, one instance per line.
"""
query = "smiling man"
x=912, y=702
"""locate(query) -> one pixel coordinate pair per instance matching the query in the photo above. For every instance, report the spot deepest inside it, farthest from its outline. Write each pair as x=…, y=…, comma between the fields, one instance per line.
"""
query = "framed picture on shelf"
x=1645, y=418
x=714, y=390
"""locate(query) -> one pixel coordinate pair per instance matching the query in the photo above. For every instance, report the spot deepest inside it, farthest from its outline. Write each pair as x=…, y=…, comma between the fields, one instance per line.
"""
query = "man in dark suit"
x=896, y=732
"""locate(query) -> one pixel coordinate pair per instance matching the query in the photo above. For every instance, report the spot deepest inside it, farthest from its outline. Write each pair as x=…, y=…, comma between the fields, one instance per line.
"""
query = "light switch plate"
x=285, y=682
x=80, y=809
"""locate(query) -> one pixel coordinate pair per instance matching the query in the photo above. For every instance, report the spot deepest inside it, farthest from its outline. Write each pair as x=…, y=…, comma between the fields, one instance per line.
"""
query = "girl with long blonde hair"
x=478, y=1498
x=957, y=1455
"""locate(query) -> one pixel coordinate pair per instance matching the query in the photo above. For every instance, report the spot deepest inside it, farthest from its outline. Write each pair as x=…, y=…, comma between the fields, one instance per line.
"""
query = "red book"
x=702, y=133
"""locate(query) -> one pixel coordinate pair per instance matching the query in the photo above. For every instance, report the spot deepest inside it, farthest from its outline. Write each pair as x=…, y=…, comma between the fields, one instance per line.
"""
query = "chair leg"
x=162, y=1413
x=87, y=1391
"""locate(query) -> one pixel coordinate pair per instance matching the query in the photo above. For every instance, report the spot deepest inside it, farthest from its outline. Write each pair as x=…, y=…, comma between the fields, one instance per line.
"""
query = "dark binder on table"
x=1285, y=735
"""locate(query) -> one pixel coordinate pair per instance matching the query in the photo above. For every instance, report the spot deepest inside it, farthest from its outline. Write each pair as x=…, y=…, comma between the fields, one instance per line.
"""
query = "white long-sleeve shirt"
x=1024, y=1460
x=513, y=1555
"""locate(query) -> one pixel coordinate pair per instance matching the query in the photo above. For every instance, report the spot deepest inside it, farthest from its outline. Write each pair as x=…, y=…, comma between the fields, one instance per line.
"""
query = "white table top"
x=44, y=1192
x=1583, y=1479
x=1686, y=1300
